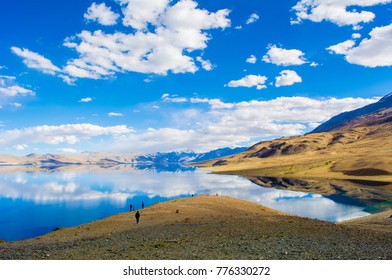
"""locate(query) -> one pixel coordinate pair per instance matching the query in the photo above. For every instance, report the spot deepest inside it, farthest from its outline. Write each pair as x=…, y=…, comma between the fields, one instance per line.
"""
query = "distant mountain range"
x=186, y=157
x=171, y=161
x=85, y=158
x=178, y=161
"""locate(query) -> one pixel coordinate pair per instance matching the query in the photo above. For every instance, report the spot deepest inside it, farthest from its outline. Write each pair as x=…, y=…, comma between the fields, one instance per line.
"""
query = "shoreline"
x=368, y=191
x=272, y=172
x=210, y=227
x=377, y=220
x=357, y=220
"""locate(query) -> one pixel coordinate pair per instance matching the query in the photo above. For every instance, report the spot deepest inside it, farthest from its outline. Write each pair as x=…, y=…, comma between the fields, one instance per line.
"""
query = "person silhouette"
x=143, y=205
x=130, y=207
x=137, y=216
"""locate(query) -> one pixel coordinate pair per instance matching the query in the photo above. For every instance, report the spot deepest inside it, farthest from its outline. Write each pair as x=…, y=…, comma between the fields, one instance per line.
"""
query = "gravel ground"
x=208, y=227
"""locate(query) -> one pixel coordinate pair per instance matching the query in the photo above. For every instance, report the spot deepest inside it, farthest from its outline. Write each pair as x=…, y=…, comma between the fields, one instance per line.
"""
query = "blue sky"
x=146, y=76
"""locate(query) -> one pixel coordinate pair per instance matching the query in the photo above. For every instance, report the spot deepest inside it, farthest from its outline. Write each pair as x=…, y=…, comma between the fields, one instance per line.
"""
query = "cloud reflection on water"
x=118, y=187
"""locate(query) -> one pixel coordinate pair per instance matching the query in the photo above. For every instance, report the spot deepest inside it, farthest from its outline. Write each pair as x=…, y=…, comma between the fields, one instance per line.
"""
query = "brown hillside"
x=362, y=148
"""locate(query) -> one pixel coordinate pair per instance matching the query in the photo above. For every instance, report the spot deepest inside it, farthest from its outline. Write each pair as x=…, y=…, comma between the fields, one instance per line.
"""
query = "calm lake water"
x=34, y=201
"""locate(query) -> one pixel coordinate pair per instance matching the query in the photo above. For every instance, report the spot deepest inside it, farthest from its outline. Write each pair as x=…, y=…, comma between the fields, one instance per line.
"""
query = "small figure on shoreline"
x=143, y=205
x=130, y=207
x=137, y=216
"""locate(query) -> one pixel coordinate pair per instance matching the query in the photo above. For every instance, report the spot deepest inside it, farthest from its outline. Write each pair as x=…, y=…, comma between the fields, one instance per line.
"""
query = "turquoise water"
x=35, y=201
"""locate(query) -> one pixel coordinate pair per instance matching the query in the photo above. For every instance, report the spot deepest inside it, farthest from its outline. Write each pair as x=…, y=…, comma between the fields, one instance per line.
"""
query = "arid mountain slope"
x=361, y=147
x=346, y=118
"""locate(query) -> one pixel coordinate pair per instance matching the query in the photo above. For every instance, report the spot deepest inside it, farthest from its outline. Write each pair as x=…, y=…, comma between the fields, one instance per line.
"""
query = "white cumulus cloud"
x=375, y=51
x=36, y=61
x=9, y=90
x=166, y=97
x=342, y=48
x=215, y=103
x=284, y=57
x=257, y=81
x=287, y=78
x=53, y=135
x=340, y=12
x=15, y=90
x=86, y=100
x=4, y=79
x=252, y=59
x=139, y=13
x=176, y=30
x=67, y=150
x=205, y=64
x=21, y=147
x=372, y=52
x=114, y=114
x=102, y=14
x=356, y=35
x=162, y=38
x=253, y=18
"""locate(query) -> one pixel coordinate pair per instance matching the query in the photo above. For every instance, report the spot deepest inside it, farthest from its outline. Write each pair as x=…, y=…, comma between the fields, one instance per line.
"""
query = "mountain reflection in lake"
x=34, y=201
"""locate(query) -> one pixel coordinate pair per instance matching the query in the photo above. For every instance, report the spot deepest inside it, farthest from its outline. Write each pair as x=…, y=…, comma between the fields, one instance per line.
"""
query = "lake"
x=35, y=201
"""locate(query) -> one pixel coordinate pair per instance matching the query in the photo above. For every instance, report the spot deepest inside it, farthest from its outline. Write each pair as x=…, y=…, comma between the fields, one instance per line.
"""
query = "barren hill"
x=358, y=147
x=347, y=119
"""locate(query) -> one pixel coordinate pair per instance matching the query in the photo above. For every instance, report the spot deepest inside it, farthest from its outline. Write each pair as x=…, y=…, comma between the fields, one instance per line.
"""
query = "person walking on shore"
x=130, y=207
x=137, y=216
x=143, y=205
